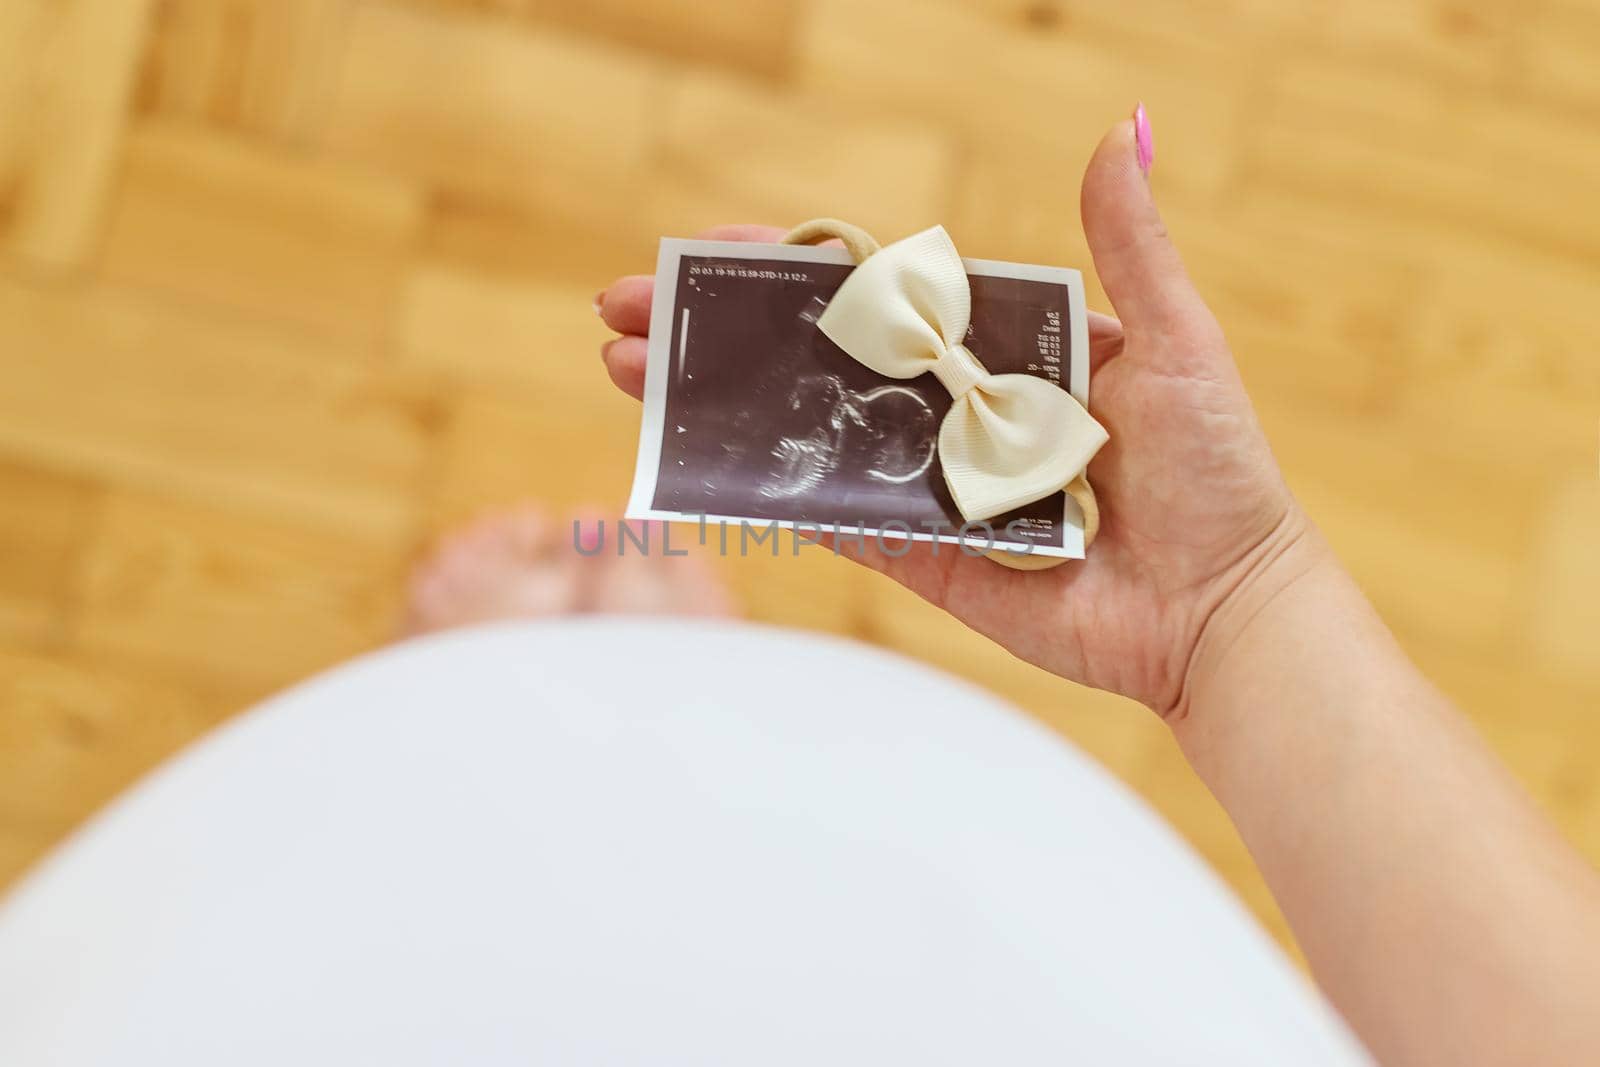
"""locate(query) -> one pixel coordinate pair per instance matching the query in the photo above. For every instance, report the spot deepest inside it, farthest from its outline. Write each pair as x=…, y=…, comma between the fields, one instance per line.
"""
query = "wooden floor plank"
x=75, y=732
x=151, y=393
x=502, y=448
x=507, y=125
x=47, y=521
x=752, y=37
x=1554, y=52
x=68, y=70
x=237, y=600
x=1029, y=100
x=227, y=222
x=1563, y=624
x=728, y=152
x=255, y=66
x=1396, y=141
x=478, y=328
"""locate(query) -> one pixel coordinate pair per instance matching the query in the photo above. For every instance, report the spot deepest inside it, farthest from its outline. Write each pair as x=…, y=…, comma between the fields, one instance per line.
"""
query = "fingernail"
x=599, y=299
x=1143, y=141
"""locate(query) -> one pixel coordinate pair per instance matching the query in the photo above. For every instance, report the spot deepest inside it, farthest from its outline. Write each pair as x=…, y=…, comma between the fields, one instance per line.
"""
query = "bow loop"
x=1008, y=439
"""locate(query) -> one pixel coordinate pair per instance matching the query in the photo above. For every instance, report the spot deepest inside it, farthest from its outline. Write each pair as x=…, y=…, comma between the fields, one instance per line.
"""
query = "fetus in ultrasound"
x=884, y=434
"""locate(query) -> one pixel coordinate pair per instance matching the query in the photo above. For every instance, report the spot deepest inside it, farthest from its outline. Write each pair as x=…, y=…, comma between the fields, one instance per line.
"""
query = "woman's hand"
x=1197, y=525
x=1442, y=915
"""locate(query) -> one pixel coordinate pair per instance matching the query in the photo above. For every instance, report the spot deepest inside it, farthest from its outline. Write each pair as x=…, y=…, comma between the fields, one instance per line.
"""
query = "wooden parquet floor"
x=286, y=286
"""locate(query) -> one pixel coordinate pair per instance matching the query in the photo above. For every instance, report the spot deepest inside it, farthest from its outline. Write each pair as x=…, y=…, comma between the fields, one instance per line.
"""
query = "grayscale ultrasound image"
x=766, y=418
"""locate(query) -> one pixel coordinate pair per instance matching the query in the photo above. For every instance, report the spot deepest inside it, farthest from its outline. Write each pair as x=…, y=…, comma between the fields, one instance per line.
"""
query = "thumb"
x=1137, y=264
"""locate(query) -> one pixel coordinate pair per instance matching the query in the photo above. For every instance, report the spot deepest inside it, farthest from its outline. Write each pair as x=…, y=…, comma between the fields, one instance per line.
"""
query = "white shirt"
x=626, y=842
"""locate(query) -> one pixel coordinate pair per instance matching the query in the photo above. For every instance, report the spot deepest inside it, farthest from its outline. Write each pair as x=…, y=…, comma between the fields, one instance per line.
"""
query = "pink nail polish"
x=1142, y=139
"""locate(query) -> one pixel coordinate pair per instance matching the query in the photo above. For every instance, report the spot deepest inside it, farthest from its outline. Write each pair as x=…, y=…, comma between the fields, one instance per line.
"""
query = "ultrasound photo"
x=752, y=413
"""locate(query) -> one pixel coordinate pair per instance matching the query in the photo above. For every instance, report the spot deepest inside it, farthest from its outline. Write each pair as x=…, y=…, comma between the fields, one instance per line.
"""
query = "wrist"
x=1262, y=593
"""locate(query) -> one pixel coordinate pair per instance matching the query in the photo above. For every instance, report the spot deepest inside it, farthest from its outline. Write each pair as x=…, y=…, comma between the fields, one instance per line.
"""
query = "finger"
x=743, y=231
x=624, y=358
x=968, y=586
x=917, y=567
x=1138, y=265
x=1105, y=339
x=980, y=593
x=625, y=307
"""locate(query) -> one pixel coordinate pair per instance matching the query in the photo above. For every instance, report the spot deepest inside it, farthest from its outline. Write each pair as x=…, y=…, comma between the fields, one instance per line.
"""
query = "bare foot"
x=521, y=565
x=652, y=583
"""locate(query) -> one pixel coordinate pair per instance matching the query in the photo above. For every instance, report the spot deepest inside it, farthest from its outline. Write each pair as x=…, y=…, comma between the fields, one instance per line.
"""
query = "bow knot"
x=1008, y=439
x=958, y=370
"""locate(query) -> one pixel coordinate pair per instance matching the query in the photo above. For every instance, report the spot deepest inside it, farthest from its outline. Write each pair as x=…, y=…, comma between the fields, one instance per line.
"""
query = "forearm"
x=1438, y=909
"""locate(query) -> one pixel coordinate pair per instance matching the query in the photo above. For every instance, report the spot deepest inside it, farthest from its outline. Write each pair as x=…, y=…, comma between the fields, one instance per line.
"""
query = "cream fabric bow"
x=1009, y=439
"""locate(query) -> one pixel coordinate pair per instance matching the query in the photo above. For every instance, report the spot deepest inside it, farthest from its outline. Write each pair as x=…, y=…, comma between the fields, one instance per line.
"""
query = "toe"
x=526, y=532
x=654, y=583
